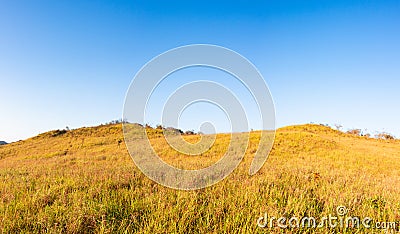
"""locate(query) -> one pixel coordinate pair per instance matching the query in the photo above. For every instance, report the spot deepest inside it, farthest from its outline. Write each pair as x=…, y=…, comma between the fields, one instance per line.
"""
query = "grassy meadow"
x=84, y=181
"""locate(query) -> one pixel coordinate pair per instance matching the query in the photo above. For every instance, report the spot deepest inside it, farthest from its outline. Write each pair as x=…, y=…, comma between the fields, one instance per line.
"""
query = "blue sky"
x=69, y=63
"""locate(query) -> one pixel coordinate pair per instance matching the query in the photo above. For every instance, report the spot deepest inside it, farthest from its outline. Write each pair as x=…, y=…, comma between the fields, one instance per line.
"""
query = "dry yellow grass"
x=85, y=181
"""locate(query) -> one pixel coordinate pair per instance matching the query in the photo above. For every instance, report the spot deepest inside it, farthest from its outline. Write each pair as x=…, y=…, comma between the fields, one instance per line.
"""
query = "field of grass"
x=84, y=181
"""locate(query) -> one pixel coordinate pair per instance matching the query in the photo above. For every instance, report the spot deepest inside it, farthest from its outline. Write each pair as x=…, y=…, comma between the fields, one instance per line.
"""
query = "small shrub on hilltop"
x=356, y=132
x=190, y=132
x=385, y=136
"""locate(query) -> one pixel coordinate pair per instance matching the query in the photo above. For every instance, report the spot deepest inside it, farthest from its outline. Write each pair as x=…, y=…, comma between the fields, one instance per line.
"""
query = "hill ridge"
x=109, y=139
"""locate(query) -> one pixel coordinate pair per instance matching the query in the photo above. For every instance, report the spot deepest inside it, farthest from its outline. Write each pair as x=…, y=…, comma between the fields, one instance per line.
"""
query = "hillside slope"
x=85, y=181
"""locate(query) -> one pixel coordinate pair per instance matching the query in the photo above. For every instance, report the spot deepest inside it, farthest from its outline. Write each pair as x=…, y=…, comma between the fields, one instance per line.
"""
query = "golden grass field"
x=84, y=181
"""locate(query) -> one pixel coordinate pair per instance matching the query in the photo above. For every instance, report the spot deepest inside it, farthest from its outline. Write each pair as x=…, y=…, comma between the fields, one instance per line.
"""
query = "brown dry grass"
x=84, y=181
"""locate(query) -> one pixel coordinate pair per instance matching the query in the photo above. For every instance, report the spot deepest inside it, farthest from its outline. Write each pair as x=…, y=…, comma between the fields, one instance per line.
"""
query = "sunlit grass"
x=85, y=181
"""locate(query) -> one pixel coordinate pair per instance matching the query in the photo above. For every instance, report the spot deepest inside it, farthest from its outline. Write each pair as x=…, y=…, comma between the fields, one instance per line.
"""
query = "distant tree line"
x=360, y=132
x=116, y=121
x=379, y=135
x=176, y=130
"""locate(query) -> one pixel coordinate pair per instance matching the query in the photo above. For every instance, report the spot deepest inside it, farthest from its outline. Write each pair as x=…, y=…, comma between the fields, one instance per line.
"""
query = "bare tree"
x=338, y=126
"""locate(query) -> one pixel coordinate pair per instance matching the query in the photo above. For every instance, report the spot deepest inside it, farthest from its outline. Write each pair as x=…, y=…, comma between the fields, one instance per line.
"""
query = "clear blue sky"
x=69, y=63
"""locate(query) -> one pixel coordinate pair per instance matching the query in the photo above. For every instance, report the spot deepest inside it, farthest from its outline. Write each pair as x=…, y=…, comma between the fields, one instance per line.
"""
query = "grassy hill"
x=84, y=181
